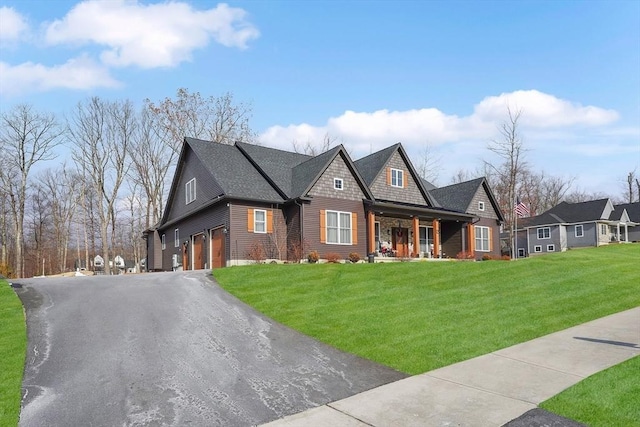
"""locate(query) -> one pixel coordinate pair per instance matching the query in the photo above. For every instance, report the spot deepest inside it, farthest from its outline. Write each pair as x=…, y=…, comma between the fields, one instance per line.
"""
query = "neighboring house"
x=574, y=225
x=633, y=212
x=229, y=204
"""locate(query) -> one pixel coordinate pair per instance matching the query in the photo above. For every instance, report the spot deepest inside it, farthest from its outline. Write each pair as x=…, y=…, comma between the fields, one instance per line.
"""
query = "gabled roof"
x=372, y=165
x=236, y=175
x=572, y=213
x=275, y=165
x=459, y=196
x=633, y=211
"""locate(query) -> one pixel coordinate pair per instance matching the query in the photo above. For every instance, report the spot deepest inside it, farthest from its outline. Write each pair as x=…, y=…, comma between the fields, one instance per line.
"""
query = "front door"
x=198, y=259
x=217, y=248
x=400, y=241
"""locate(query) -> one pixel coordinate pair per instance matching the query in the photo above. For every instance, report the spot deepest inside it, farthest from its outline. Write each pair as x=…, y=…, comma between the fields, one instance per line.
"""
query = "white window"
x=397, y=178
x=603, y=229
x=481, y=206
x=551, y=248
x=164, y=243
x=482, y=239
x=537, y=248
x=579, y=231
x=338, y=184
x=176, y=238
x=520, y=252
x=259, y=221
x=544, y=233
x=376, y=231
x=338, y=227
x=190, y=191
x=426, y=238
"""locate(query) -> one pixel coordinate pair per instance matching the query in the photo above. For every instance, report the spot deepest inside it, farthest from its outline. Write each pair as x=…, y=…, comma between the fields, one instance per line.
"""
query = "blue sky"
x=370, y=74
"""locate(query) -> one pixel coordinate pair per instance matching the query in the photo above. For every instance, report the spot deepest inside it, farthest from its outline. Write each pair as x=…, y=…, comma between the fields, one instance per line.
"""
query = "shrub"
x=256, y=252
x=465, y=255
x=332, y=257
x=354, y=257
x=297, y=251
x=313, y=257
x=487, y=257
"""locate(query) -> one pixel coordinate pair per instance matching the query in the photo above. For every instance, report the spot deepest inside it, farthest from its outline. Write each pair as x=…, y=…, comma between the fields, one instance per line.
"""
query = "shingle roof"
x=369, y=166
x=457, y=197
x=274, y=163
x=235, y=174
x=633, y=210
x=569, y=213
x=580, y=212
x=428, y=185
x=306, y=173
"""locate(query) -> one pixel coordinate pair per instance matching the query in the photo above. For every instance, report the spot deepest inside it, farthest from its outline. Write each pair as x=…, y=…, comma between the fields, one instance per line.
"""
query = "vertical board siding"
x=206, y=187
x=382, y=189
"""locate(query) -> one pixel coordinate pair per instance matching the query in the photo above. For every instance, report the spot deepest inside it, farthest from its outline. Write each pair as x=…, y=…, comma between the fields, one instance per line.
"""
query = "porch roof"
x=409, y=211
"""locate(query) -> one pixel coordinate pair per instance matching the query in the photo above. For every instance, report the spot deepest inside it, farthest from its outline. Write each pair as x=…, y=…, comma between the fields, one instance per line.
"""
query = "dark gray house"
x=574, y=225
x=230, y=204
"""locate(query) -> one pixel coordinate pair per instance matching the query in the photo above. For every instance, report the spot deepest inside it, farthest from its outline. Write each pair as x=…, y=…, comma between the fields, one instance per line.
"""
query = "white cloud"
x=364, y=132
x=12, y=25
x=153, y=35
x=77, y=73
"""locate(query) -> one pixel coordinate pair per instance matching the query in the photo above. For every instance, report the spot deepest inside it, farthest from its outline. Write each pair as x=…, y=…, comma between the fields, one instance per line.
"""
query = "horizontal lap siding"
x=495, y=238
x=292, y=214
x=241, y=239
x=312, y=226
x=216, y=216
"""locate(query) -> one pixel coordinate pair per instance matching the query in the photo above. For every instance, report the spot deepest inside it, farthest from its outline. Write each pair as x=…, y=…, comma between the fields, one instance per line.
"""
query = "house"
x=633, y=212
x=231, y=204
x=574, y=225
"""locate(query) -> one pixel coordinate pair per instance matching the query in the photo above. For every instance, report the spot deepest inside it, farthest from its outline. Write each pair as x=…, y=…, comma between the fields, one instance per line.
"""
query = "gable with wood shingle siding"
x=409, y=193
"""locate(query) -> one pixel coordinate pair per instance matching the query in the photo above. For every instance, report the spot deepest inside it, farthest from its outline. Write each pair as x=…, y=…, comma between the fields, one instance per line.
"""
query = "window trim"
x=176, y=238
x=339, y=228
x=188, y=192
x=399, y=175
x=255, y=221
x=163, y=241
x=551, y=248
x=537, y=249
x=481, y=228
x=336, y=187
x=543, y=233
x=481, y=206
x=521, y=253
x=604, y=230
x=581, y=230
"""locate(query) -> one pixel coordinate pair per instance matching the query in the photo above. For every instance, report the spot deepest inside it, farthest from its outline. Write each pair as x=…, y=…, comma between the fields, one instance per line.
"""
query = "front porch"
x=407, y=232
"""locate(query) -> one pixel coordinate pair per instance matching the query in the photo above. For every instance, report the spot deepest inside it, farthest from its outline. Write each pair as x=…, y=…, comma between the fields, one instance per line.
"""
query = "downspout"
x=227, y=238
x=301, y=222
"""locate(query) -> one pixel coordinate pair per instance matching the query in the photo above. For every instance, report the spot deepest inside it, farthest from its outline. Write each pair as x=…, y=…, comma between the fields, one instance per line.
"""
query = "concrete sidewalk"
x=489, y=390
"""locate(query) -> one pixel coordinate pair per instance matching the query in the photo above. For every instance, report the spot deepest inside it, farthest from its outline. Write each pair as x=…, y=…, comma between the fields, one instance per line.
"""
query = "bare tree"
x=460, y=176
x=62, y=186
x=429, y=164
x=101, y=132
x=630, y=193
x=190, y=114
x=27, y=137
x=578, y=196
x=312, y=148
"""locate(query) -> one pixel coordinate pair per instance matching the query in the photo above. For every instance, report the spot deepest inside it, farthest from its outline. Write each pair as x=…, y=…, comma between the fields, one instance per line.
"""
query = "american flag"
x=521, y=209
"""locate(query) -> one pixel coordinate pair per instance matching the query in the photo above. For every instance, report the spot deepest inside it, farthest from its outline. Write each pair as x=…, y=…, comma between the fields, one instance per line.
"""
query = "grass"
x=416, y=317
x=606, y=399
x=13, y=345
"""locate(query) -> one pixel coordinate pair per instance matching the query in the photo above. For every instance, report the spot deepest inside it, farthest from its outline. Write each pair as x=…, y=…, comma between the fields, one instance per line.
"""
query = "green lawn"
x=416, y=317
x=13, y=345
x=607, y=399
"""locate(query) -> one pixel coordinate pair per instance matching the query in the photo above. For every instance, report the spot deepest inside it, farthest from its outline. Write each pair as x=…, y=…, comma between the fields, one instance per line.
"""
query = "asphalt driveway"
x=171, y=349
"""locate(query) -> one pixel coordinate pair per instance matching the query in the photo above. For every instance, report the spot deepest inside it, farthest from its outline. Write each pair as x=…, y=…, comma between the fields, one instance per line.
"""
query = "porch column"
x=618, y=233
x=626, y=233
x=371, y=227
x=472, y=239
x=436, y=238
x=416, y=237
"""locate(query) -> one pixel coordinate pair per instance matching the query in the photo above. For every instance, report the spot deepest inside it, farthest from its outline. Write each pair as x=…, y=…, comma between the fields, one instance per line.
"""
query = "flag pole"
x=515, y=250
